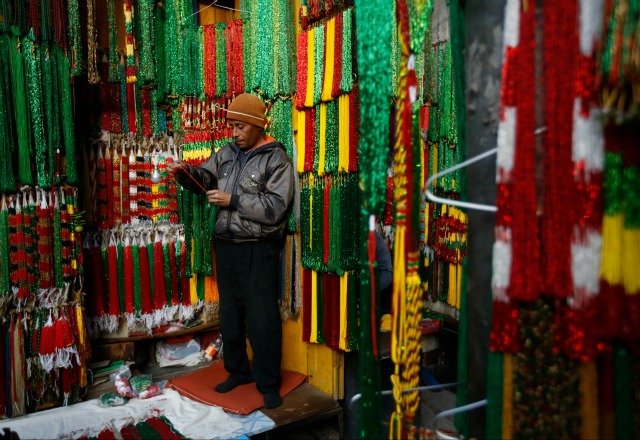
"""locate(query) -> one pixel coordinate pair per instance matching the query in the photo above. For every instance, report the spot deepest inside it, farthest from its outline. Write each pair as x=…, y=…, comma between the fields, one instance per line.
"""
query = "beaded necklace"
x=66, y=104
x=7, y=181
x=318, y=58
x=34, y=88
x=130, y=71
x=265, y=55
x=346, y=83
x=59, y=23
x=221, y=58
x=146, y=68
x=284, y=48
x=210, y=60
x=301, y=89
x=92, y=50
x=114, y=73
x=5, y=251
x=75, y=38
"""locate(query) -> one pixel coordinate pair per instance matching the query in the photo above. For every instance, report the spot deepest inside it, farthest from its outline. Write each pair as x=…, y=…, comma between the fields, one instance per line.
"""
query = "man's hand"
x=173, y=166
x=218, y=198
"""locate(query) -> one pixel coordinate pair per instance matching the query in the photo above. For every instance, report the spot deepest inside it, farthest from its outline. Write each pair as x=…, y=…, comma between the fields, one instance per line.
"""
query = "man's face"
x=245, y=135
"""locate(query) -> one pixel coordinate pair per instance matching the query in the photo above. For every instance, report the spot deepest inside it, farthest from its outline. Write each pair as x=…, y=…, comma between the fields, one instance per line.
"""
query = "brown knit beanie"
x=247, y=108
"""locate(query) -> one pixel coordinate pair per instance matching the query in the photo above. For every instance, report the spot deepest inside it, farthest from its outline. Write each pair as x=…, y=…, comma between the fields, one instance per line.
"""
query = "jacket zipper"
x=235, y=186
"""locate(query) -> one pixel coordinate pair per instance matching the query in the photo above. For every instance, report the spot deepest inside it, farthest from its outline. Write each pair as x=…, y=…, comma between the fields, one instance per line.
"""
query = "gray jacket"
x=261, y=189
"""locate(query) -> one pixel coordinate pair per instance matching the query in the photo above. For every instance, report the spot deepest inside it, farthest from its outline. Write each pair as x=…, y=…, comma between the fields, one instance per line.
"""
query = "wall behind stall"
x=483, y=60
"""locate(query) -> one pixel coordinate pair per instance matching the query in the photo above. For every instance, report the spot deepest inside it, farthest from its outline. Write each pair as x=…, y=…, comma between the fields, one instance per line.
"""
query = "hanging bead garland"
x=75, y=38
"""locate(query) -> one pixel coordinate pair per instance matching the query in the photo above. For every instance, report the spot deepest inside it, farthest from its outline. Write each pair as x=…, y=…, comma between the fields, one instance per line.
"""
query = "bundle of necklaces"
x=327, y=136
x=565, y=279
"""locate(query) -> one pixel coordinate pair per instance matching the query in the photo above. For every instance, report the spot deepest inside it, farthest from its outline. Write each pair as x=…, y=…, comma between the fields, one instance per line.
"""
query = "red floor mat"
x=244, y=399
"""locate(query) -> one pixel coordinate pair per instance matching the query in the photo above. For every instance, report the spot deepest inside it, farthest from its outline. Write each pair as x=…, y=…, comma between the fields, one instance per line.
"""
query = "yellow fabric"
x=322, y=142
x=308, y=100
x=82, y=379
x=344, y=309
x=327, y=85
x=300, y=139
x=451, y=293
x=314, y=307
x=630, y=258
x=611, y=268
x=385, y=323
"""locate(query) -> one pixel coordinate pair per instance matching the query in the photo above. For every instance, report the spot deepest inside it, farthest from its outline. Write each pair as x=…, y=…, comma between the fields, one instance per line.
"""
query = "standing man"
x=250, y=180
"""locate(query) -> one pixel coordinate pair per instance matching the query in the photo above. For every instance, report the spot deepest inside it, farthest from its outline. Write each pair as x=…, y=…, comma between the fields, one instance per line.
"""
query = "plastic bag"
x=112, y=399
x=140, y=383
x=121, y=381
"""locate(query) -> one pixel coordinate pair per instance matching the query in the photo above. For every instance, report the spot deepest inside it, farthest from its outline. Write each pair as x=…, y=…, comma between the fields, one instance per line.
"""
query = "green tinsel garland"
x=249, y=41
x=197, y=46
x=280, y=123
x=137, y=291
x=66, y=104
x=265, y=50
x=317, y=233
x=631, y=191
x=346, y=82
x=285, y=48
x=75, y=38
x=5, y=250
x=179, y=268
x=305, y=221
x=120, y=268
x=171, y=42
x=613, y=187
x=19, y=98
x=50, y=98
x=104, y=253
x=159, y=20
x=31, y=55
x=396, y=52
x=7, y=181
x=146, y=71
x=331, y=146
x=153, y=99
x=208, y=222
x=221, y=60
x=149, y=247
x=196, y=232
x=318, y=68
x=123, y=100
x=114, y=59
x=335, y=236
x=349, y=203
x=316, y=156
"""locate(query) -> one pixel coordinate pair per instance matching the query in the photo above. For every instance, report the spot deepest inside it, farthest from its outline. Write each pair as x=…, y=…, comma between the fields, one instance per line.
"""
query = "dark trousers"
x=248, y=282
